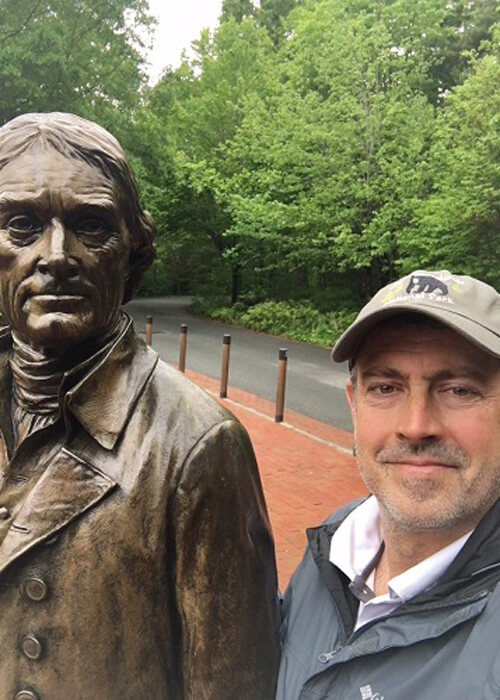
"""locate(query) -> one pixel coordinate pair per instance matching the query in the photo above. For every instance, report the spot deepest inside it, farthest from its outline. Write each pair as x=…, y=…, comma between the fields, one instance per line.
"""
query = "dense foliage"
x=83, y=56
x=309, y=152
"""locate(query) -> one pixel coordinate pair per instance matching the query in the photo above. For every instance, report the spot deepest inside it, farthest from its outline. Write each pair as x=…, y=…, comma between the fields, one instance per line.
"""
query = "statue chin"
x=57, y=331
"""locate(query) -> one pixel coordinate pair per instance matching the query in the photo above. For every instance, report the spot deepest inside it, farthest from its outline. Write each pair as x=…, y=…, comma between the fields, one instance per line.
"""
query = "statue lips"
x=47, y=303
x=56, y=298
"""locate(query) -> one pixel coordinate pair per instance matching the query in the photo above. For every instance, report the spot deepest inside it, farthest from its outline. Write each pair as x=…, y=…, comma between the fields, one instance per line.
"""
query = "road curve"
x=314, y=386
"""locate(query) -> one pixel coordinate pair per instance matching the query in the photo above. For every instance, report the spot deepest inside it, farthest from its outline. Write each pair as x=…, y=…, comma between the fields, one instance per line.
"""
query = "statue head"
x=74, y=239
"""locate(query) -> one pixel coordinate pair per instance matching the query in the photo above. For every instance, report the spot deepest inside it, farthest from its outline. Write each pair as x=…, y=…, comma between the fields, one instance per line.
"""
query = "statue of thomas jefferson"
x=136, y=561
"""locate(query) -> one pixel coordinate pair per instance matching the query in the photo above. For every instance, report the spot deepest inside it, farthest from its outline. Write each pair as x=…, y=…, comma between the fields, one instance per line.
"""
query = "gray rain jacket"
x=444, y=644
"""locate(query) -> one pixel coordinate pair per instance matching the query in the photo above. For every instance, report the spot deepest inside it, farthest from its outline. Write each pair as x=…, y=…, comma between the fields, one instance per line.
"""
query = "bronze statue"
x=136, y=560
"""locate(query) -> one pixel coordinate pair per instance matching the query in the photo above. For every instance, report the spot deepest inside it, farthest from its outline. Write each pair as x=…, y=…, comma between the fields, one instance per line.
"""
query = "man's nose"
x=56, y=258
x=419, y=418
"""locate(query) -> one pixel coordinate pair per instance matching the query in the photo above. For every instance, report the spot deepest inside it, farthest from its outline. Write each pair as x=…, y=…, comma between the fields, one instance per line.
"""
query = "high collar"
x=104, y=398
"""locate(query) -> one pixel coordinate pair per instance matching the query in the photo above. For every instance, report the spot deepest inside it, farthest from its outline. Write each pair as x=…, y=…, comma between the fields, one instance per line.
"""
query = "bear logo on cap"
x=426, y=283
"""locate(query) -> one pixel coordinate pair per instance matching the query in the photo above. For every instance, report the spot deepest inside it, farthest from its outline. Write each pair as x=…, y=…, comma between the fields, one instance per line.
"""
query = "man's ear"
x=351, y=398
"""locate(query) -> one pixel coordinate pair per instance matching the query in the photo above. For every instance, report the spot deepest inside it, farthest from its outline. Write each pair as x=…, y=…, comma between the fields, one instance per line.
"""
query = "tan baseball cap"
x=464, y=304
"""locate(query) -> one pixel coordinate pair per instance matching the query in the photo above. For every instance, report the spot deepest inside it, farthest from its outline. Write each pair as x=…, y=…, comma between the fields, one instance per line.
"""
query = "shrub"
x=292, y=319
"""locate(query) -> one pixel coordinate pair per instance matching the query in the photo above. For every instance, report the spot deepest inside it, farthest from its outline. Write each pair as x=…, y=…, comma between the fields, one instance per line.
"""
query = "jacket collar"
x=481, y=552
x=104, y=399
x=482, y=549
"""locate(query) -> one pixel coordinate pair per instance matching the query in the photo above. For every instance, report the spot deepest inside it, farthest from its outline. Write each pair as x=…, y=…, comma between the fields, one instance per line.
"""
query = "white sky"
x=180, y=22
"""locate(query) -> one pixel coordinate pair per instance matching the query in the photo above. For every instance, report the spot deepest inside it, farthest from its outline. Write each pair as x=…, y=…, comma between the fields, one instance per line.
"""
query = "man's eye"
x=22, y=224
x=462, y=392
x=459, y=395
x=92, y=225
x=381, y=389
x=385, y=388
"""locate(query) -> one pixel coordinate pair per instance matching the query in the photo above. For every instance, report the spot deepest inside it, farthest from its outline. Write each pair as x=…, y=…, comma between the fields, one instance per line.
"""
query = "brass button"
x=32, y=648
x=35, y=588
x=26, y=695
x=4, y=513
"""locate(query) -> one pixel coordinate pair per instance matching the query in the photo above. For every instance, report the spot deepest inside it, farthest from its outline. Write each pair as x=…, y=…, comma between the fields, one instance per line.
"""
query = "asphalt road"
x=314, y=385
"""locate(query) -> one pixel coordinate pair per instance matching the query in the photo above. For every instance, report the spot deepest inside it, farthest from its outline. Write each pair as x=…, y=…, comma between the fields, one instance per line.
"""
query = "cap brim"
x=349, y=342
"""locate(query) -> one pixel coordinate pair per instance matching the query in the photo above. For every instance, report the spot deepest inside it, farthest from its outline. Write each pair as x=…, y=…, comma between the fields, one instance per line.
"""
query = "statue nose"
x=56, y=257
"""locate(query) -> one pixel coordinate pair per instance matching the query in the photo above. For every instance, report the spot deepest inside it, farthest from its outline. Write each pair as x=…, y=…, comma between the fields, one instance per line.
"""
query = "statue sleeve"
x=225, y=573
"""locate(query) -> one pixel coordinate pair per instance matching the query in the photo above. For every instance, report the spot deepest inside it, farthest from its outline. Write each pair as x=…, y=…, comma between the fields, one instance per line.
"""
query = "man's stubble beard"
x=467, y=503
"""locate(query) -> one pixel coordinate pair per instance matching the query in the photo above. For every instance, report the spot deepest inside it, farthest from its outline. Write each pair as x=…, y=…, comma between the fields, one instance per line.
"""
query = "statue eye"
x=92, y=226
x=24, y=225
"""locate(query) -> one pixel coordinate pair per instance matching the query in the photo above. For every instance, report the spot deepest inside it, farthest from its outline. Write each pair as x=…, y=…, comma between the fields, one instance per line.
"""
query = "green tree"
x=458, y=225
x=74, y=56
x=237, y=10
x=272, y=15
x=465, y=30
x=197, y=109
x=324, y=168
x=309, y=150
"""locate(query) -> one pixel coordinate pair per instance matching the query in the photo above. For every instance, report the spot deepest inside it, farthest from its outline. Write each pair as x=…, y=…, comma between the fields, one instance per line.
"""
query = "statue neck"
x=37, y=378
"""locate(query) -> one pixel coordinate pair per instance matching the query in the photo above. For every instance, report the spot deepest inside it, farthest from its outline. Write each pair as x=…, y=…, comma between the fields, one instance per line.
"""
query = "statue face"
x=64, y=249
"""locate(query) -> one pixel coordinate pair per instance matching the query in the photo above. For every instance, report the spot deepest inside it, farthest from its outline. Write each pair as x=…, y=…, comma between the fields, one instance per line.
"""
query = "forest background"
x=309, y=152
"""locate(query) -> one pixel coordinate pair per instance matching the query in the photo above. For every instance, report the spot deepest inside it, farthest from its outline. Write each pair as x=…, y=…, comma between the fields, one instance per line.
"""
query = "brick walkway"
x=306, y=467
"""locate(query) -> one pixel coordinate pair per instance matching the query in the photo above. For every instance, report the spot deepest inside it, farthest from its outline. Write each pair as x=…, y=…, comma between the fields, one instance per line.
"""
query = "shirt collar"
x=358, y=538
x=426, y=572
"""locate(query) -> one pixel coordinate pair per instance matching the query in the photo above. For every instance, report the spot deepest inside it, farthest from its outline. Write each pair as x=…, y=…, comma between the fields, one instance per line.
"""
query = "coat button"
x=26, y=695
x=4, y=513
x=35, y=588
x=32, y=648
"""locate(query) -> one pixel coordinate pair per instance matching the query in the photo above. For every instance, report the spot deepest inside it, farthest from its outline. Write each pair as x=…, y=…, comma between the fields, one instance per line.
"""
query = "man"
x=135, y=554
x=398, y=596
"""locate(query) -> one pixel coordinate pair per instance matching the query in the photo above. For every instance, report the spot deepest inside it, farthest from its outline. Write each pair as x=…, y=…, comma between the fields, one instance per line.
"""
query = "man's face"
x=426, y=413
x=64, y=249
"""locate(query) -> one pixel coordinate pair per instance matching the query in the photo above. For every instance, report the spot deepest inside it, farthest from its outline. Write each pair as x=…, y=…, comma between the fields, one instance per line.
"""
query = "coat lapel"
x=66, y=489
x=106, y=398
x=102, y=403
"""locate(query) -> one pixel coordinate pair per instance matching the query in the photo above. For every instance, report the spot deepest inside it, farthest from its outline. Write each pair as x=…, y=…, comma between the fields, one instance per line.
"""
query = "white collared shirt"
x=356, y=542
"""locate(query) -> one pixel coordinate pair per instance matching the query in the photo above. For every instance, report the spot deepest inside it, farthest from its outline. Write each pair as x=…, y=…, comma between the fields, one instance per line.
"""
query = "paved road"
x=315, y=386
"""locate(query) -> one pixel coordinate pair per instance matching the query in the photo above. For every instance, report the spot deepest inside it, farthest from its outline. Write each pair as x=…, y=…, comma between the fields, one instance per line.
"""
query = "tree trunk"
x=235, y=284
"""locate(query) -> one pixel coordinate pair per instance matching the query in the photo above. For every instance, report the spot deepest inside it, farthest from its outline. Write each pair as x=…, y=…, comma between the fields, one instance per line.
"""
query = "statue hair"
x=75, y=137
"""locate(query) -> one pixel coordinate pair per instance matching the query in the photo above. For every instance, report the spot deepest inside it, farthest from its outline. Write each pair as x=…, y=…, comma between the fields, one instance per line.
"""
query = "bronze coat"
x=141, y=565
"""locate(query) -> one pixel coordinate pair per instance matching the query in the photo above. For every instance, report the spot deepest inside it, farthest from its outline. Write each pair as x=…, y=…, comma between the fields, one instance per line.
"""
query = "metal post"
x=280, y=391
x=182, y=347
x=224, y=374
x=149, y=330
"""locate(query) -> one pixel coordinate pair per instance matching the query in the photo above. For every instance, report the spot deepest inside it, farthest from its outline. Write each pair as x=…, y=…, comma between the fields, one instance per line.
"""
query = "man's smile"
x=421, y=469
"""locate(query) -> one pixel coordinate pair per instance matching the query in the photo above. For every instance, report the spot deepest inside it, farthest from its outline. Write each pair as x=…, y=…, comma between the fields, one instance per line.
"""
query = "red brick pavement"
x=306, y=467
